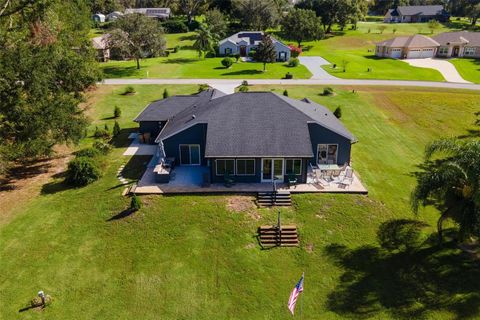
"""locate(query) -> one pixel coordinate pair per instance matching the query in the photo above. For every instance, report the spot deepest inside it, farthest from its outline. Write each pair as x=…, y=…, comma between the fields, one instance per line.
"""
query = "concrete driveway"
x=314, y=65
x=447, y=69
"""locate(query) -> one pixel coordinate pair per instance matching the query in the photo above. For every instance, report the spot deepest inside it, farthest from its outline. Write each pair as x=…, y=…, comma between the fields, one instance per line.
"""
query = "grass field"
x=196, y=257
x=469, y=69
x=186, y=64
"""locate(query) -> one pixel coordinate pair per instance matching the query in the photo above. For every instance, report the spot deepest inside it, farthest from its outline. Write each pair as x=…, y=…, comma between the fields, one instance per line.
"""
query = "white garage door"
x=396, y=53
x=420, y=53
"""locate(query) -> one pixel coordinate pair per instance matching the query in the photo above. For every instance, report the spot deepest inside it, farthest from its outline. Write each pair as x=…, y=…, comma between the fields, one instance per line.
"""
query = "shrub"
x=293, y=62
x=129, y=90
x=327, y=91
x=116, y=129
x=88, y=152
x=166, y=94
x=289, y=76
x=135, y=203
x=285, y=93
x=236, y=56
x=175, y=26
x=244, y=83
x=243, y=88
x=82, y=171
x=101, y=133
x=227, y=62
x=295, y=51
x=203, y=87
x=117, y=112
x=338, y=112
x=106, y=127
x=176, y=49
x=102, y=146
x=251, y=53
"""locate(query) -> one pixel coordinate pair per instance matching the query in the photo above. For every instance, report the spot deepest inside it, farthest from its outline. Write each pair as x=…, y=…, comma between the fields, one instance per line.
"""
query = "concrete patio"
x=189, y=180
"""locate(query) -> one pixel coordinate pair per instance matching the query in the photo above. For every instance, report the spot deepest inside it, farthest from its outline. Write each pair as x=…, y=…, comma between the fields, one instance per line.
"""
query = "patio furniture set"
x=327, y=174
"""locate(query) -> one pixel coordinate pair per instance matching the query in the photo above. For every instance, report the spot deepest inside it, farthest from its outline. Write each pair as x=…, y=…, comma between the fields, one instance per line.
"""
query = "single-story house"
x=403, y=14
x=112, y=16
x=458, y=44
x=244, y=41
x=253, y=137
x=412, y=47
x=98, y=18
x=158, y=13
x=101, y=45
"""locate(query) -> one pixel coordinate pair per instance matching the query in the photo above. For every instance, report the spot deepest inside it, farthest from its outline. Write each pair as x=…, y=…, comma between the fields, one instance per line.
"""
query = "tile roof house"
x=244, y=41
x=417, y=46
x=444, y=45
x=403, y=14
x=458, y=44
x=253, y=136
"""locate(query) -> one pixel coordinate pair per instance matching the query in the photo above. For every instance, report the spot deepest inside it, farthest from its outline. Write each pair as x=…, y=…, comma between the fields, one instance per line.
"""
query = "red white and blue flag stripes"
x=294, y=295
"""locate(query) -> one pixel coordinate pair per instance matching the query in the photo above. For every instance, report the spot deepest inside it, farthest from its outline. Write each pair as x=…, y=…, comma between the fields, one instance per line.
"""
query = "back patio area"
x=190, y=179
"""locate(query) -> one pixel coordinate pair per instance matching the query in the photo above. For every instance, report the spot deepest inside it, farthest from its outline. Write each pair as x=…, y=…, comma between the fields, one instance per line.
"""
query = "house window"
x=469, y=51
x=228, y=51
x=245, y=167
x=443, y=50
x=293, y=166
x=327, y=153
x=189, y=154
x=282, y=55
x=224, y=166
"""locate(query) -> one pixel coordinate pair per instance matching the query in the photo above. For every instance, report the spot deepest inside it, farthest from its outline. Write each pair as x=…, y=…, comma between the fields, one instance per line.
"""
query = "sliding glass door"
x=272, y=169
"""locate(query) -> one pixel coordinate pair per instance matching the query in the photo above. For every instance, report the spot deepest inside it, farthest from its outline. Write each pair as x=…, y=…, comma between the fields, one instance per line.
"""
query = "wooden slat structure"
x=274, y=198
x=273, y=236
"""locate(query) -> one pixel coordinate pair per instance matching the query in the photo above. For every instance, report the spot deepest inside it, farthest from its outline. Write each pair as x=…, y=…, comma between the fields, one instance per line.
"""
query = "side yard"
x=197, y=256
x=469, y=69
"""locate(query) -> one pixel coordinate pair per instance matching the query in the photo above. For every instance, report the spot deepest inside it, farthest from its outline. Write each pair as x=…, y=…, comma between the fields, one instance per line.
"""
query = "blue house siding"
x=152, y=127
x=194, y=135
x=321, y=135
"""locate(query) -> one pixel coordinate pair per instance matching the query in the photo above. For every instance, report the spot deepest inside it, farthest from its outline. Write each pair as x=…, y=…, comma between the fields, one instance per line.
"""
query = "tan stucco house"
x=459, y=44
x=412, y=47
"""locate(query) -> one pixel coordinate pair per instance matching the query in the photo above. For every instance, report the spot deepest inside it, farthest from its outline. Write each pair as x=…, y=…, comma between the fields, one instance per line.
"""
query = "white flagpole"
x=301, y=305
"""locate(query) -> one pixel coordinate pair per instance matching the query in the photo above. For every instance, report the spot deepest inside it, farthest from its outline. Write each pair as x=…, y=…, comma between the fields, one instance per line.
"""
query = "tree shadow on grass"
x=187, y=38
x=180, y=60
x=135, y=167
x=121, y=140
x=57, y=185
x=407, y=279
x=120, y=71
x=243, y=73
x=125, y=213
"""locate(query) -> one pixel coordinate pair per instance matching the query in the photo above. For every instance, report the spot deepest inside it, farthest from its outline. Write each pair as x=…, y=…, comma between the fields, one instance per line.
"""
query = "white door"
x=396, y=53
x=428, y=53
x=272, y=169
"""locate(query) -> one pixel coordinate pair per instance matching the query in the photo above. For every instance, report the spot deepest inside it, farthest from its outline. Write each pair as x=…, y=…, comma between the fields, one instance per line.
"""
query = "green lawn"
x=194, y=257
x=469, y=69
x=186, y=64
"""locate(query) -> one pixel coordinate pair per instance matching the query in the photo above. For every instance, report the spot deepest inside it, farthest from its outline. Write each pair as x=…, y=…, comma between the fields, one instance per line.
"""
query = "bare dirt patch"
x=309, y=247
x=243, y=204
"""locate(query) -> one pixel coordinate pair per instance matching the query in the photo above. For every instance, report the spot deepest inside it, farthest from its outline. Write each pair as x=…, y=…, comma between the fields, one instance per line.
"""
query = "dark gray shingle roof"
x=256, y=124
x=162, y=110
x=472, y=38
x=421, y=10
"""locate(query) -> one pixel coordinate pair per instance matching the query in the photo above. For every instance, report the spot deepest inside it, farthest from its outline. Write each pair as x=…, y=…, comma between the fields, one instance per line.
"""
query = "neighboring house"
x=98, y=18
x=101, y=45
x=242, y=42
x=416, y=14
x=112, y=16
x=252, y=136
x=412, y=47
x=459, y=44
x=158, y=13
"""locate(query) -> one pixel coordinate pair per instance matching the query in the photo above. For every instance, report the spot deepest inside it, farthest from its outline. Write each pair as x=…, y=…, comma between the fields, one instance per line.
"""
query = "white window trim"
x=328, y=144
x=249, y=174
x=190, y=154
x=293, y=168
x=222, y=174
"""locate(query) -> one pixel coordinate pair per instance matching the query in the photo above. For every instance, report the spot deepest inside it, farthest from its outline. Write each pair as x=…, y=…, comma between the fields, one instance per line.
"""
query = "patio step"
x=270, y=236
x=268, y=199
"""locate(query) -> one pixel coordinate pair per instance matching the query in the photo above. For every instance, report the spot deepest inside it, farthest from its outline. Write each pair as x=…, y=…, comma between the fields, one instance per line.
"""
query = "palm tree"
x=450, y=180
x=204, y=41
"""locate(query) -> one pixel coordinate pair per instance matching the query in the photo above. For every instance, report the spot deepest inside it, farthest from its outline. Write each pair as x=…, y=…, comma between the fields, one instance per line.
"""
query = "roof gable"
x=432, y=10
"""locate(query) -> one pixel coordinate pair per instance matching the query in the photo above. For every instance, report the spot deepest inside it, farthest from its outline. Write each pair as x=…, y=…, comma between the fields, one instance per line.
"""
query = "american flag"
x=294, y=295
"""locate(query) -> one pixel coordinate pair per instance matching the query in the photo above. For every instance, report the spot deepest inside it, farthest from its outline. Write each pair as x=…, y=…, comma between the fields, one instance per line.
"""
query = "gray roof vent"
x=193, y=116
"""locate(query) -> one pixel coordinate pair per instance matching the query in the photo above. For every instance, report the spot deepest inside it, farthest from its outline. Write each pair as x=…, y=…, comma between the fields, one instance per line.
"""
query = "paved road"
x=447, y=69
x=217, y=83
x=314, y=65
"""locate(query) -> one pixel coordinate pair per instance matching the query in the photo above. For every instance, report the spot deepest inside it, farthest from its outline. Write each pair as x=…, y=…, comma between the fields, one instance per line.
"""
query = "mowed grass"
x=468, y=68
x=195, y=257
x=357, y=48
x=187, y=64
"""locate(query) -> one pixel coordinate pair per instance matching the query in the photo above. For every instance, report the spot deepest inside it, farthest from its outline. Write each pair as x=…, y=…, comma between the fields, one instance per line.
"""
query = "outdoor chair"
x=292, y=180
x=347, y=178
x=228, y=180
